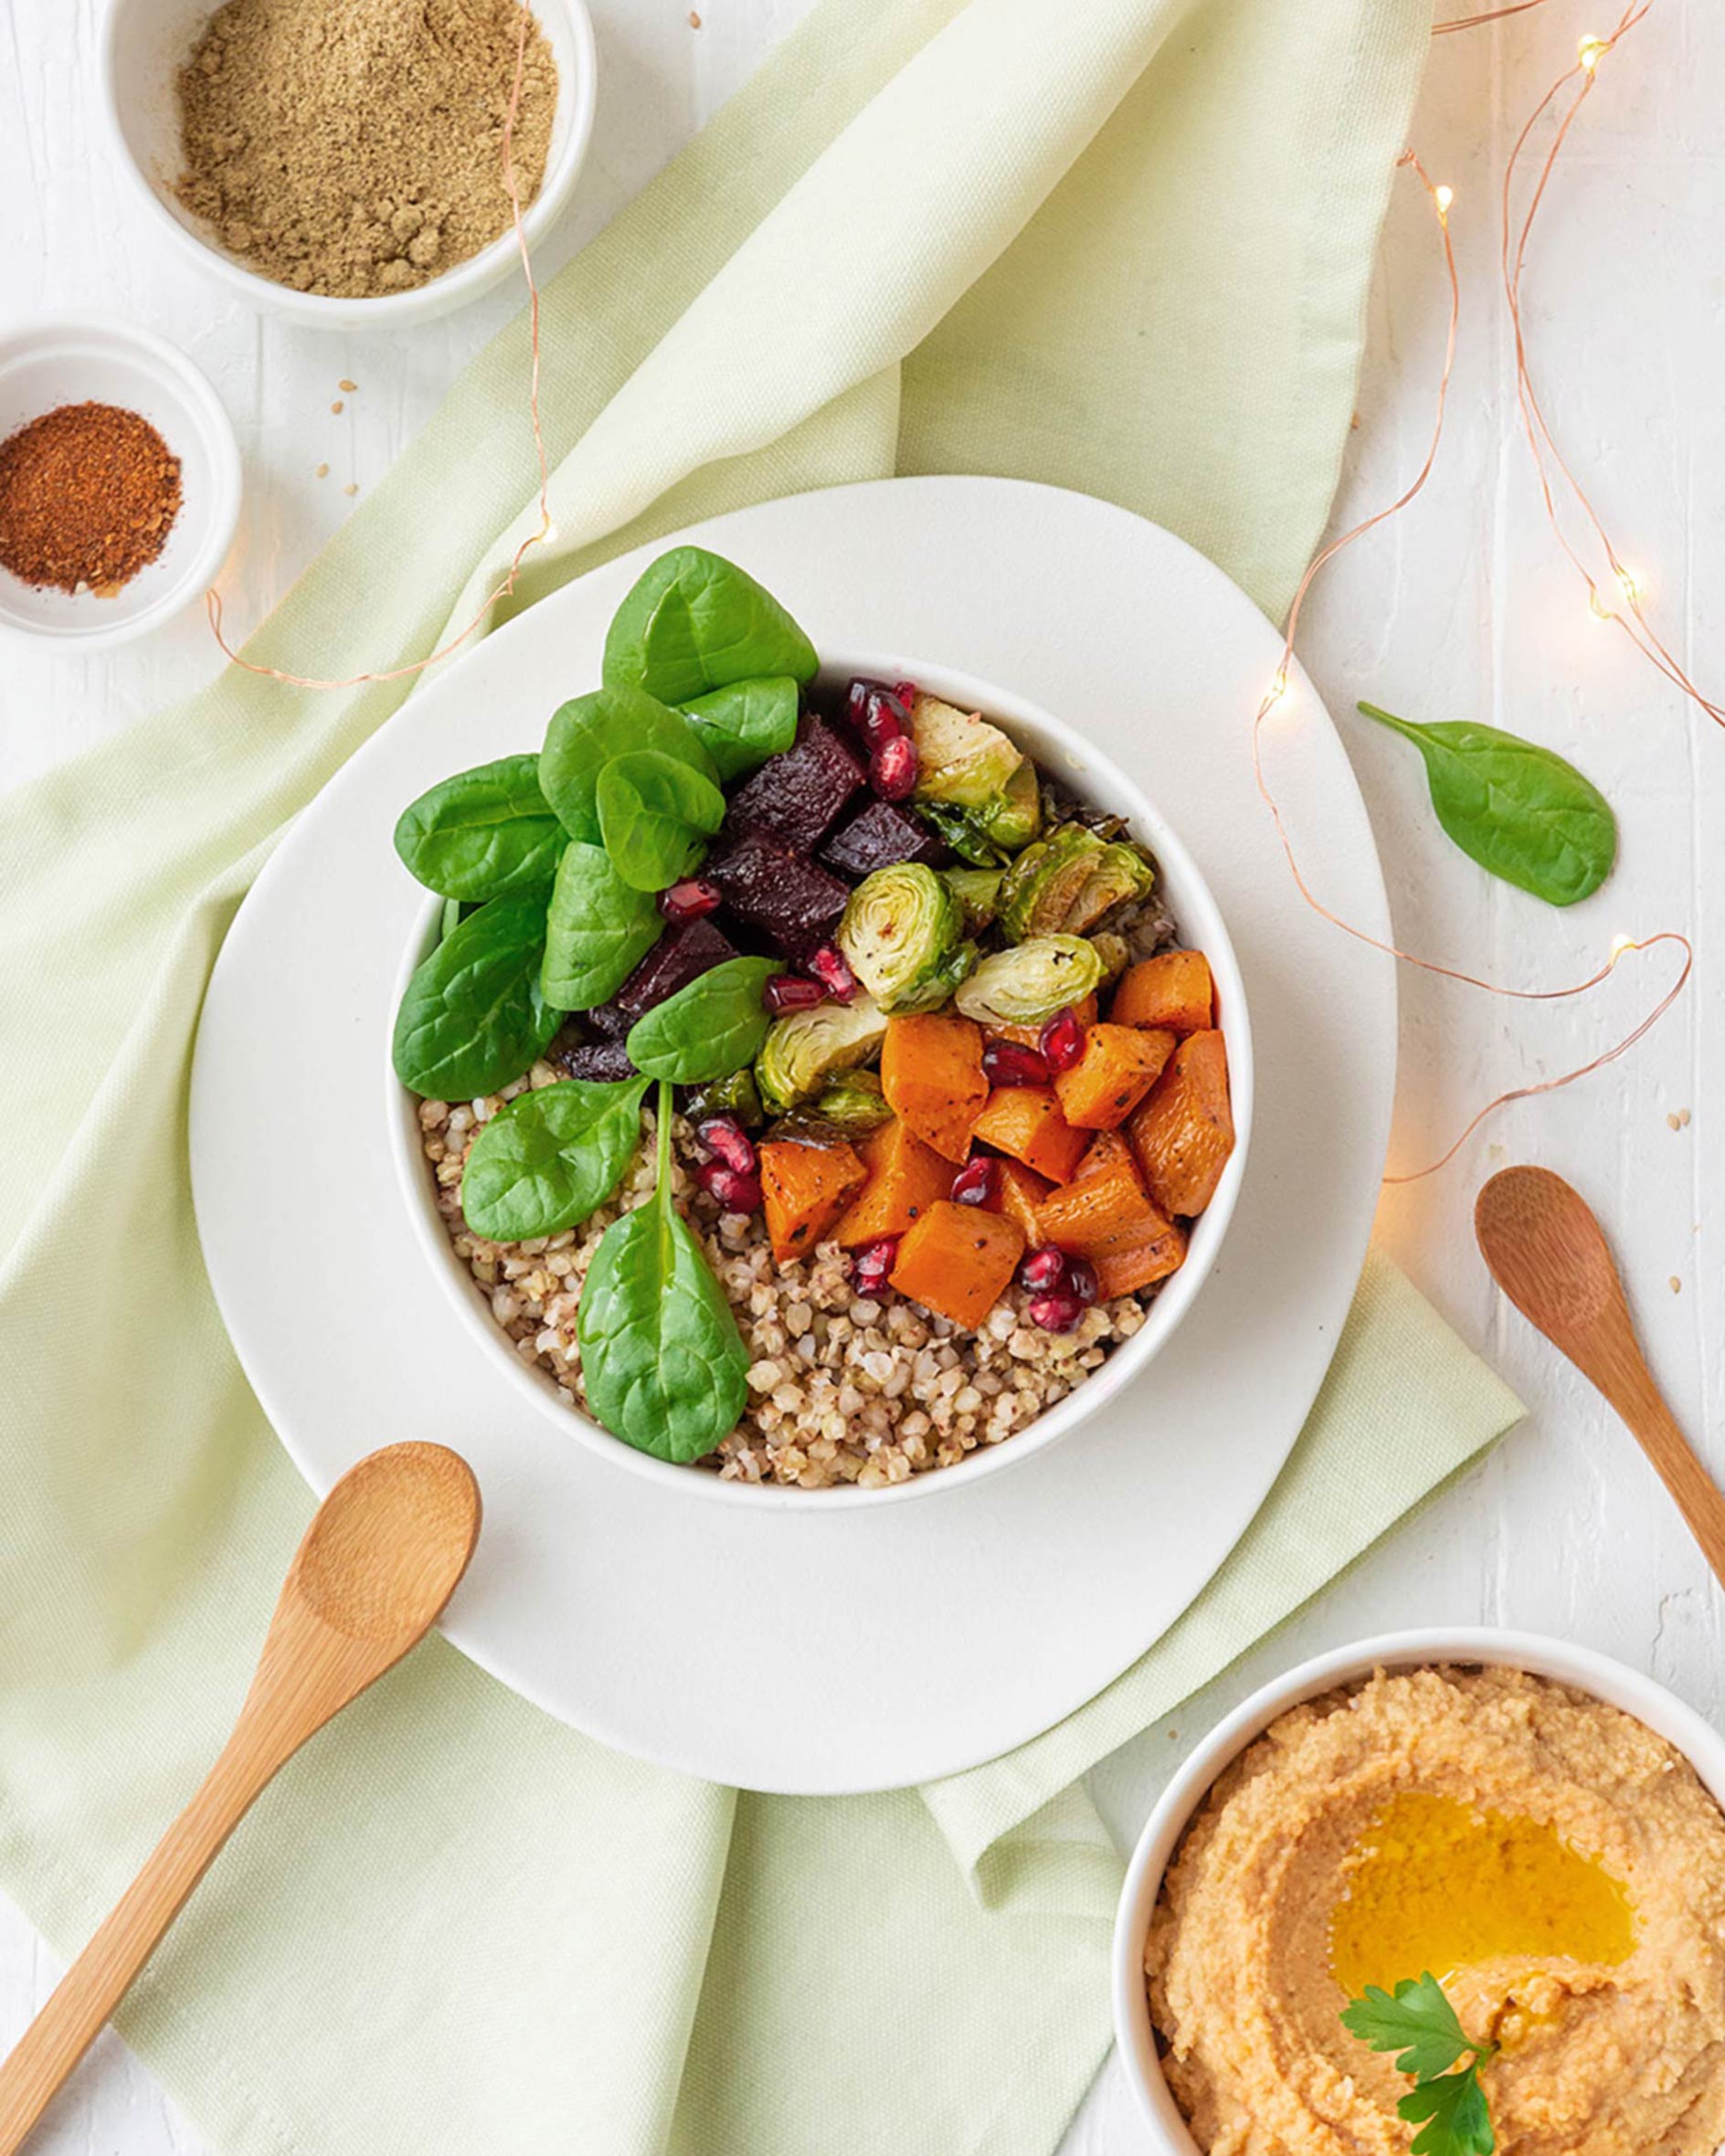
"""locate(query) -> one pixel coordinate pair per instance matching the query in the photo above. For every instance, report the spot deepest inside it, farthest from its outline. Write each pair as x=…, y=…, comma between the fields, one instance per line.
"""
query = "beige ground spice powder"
x=354, y=147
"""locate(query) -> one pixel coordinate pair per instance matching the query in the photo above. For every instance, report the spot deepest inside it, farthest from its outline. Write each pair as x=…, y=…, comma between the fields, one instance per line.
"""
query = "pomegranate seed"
x=858, y=696
x=724, y=1137
x=1081, y=1280
x=906, y=692
x=688, y=901
x=789, y=991
x=871, y=1267
x=1043, y=1269
x=893, y=769
x=1057, y=1313
x=1010, y=1063
x=876, y=712
x=1062, y=1040
x=735, y=1193
x=830, y=969
x=975, y=1184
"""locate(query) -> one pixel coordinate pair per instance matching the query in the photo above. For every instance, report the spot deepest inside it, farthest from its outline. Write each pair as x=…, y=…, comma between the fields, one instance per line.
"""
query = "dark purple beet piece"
x=789, y=900
x=878, y=836
x=606, y=1060
x=681, y=955
x=797, y=797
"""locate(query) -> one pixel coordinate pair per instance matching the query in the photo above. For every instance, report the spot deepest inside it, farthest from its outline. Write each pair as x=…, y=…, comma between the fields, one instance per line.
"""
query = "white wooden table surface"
x=1463, y=609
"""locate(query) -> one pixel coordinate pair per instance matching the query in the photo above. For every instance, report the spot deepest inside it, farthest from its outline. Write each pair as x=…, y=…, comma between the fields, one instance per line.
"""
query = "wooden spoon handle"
x=1696, y=1495
x=95, y=1983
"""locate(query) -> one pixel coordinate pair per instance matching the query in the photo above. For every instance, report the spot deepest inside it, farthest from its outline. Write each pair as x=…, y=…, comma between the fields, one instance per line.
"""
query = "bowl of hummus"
x=1536, y=1828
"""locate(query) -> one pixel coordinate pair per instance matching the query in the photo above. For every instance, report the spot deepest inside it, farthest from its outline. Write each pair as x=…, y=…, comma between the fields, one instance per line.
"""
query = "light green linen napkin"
x=1118, y=244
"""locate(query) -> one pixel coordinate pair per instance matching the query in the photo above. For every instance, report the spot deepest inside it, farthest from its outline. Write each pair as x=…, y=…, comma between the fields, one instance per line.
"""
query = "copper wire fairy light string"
x=547, y=529
x=1441, y=198
x=1494, y=14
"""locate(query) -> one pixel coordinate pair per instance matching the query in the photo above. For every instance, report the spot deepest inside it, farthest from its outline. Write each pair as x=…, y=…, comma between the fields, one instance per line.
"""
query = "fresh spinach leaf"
x=1520, y=811
x=473, y=1017
x=654, y=812
x=710, y=1029
x=599, y=930
x=450, y=919
x=693, y=622
x=548, y=1158
x=482, y=832
x=585, y=734
x=745, y=723
x=663, y=1363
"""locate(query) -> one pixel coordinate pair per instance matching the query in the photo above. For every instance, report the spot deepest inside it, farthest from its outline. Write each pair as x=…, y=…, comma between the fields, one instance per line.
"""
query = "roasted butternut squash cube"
x=1117, y=1068
x=931, y=1073
x=1026, y=1122
x=904, y=1177
x=1172, y=989
x=957, y=1261
x=805, y=1189
x=1017, y=1192
x=1103, y=1215
x=1183, y=1133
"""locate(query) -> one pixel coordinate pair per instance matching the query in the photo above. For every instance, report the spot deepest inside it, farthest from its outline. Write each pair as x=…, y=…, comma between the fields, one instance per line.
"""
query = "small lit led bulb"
x=1591, y=51
x=1444, y=196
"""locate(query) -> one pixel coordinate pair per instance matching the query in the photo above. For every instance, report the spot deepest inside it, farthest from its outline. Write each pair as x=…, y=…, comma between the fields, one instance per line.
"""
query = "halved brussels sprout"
x=973, y=784
x=899, y=932
x=1065, y=882
x=1114, y=953
x=1030, y=982
x=978, y=892
x=806, y=1047
x=736, y=1096
x=854, y=1101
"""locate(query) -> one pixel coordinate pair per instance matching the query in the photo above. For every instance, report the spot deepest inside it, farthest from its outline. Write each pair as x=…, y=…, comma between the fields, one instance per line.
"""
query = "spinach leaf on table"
x=1519, y=810
x=599, y=930
x=654, y=813
x=663, y=1363
x=708, y=1030
x=693, y=622
x=586, y=732
x=548, y=1158
x=745, y=723
x=472, y=1017
x=482, y=832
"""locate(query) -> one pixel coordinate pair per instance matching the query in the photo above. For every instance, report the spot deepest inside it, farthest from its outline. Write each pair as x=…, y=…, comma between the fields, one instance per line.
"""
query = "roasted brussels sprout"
x=899, y=932
x=1065, y=882
x=973, y=784
x=736, y=1096
x=804, y=1049
x=1114, y=952
x=1029, y=983
x=853, y=1103
x=978, y=892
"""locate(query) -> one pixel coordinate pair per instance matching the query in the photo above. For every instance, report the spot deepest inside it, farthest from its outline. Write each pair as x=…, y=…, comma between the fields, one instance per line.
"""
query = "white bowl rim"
x=454, y=287
x=1584, y=1668
x=222, y=514
x=1127, y=1361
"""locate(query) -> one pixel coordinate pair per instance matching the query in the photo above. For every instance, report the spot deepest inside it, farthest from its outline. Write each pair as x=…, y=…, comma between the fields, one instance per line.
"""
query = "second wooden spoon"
x=1547, y=1253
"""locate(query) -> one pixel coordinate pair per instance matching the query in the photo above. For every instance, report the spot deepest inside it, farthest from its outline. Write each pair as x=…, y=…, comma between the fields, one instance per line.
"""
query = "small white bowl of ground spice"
x=119, y=480
x=342, y=161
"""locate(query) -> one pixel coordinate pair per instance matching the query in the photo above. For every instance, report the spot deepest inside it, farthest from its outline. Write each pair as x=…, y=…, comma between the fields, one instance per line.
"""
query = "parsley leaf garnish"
x=1419, y=2023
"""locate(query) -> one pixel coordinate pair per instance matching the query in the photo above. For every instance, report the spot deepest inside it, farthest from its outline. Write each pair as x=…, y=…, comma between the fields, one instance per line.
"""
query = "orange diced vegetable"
x=1172, y=989
x=1031, y=1036
x=931, y=1073
x=1117, y=1068
x=905, y=1178
x=1183, y=1133
x=1017, y=1192
x=1026, y=1122
x=1103, y=1215
x=956, y=1261
x=806, y=1188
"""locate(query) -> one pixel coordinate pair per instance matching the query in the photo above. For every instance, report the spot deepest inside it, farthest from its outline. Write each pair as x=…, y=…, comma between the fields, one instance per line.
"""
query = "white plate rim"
x=816, y=1729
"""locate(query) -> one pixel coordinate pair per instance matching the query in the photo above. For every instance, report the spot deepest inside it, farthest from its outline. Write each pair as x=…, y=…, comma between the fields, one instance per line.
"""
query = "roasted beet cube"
x=604, y=1061
x=790, y=901
x=681, y=955
x=878, y=836
x=797, y=796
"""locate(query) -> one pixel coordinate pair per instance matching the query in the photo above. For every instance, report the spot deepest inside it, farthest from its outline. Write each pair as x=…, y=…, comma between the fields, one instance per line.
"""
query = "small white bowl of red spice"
x=119, y=482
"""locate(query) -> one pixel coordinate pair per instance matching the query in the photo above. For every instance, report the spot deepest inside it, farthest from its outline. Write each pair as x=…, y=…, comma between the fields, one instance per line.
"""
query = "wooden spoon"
x=378, y=1562
x=1546, y=1253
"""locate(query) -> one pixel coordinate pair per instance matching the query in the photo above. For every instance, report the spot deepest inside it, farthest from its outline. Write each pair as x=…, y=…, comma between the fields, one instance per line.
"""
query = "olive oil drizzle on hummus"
x=1433, y=1884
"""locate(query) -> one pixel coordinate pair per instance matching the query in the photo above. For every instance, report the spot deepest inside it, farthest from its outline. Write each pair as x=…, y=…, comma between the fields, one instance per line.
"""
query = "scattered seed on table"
x=336, y=405
x=695, y=20
x=352, y=487
x=1677, y=1285
x=1673, y=1122
x=349, y=386
x=322, y=471
x=1683, y=1117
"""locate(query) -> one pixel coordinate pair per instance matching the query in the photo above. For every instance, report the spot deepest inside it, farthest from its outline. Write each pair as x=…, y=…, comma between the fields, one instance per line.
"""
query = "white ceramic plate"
x=792, y=1650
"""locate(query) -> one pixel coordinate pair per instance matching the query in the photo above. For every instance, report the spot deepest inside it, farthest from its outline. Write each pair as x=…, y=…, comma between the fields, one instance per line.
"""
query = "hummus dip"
x=1559, y=1868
